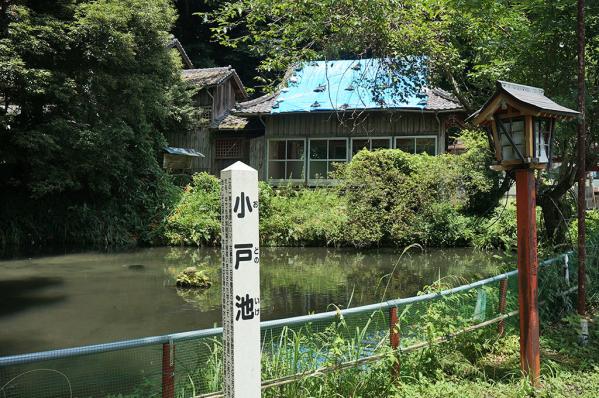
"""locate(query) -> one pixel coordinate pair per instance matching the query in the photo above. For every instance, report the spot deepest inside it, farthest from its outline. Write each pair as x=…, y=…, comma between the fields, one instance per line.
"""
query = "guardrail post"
x=394, y=336
x=502, y=304
x=168, y=370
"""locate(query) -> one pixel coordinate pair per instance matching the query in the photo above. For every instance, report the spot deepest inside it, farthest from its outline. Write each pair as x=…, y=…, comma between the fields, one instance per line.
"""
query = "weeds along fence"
x=296, y=352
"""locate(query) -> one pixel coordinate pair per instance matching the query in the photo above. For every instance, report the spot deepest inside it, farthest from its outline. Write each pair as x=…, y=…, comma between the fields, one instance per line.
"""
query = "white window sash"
x=415, y=137
x=284, y=161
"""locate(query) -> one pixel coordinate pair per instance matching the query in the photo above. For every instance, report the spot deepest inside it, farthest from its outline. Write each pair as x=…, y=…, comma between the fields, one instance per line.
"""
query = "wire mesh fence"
x=190, y=364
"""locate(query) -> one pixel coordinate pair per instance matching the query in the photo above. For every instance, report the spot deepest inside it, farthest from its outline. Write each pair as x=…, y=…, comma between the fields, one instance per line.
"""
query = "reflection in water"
x=88, y=298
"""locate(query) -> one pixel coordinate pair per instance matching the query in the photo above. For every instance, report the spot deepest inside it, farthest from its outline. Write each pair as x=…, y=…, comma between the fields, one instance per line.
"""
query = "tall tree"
x=87, y=90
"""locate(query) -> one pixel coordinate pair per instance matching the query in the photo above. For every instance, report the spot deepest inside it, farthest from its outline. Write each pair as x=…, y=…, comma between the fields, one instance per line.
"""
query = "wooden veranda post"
x=528, y=265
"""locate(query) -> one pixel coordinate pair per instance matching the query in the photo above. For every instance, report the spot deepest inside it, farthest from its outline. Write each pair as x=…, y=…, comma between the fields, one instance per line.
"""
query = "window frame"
x=415, y=137
x=284, y=161
x=504, y=142
x=389, y=138
x=325, y=181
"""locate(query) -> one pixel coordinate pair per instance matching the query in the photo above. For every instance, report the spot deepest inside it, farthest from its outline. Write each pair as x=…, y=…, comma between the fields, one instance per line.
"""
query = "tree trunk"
x=556, y=212
x=555, y=217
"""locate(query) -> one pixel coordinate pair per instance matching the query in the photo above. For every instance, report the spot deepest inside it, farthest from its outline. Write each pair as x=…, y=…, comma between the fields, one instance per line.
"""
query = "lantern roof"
x=527, y=99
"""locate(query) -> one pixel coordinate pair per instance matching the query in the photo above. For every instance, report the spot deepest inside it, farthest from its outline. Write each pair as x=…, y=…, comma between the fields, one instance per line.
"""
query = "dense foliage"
x=468, y=44
x=385, y=197
x=86, y=90
x=403, y=198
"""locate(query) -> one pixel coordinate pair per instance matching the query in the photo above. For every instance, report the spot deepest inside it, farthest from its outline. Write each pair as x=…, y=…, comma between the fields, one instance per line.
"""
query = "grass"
x=567, y=370
x=476, y=364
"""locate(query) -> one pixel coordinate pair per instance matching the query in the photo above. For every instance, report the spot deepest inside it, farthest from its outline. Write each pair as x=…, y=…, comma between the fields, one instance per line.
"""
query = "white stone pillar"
x=240, y=281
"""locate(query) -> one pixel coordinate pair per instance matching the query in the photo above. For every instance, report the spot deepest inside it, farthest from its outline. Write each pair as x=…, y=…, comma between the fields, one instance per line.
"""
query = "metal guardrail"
x=204, y=333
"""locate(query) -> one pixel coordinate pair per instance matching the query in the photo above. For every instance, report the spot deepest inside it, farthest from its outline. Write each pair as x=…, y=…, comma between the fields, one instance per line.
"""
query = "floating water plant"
x=191, y=277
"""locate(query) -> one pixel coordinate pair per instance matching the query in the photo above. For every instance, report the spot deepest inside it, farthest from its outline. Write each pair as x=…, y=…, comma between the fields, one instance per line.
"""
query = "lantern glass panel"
x=542, y=137
x=515, y=128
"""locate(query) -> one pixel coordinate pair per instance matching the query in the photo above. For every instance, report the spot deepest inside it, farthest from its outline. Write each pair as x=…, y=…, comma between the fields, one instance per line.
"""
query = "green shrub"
x=195, y=219
x=592, y=229
x=385, y=197
x=444, y=226
x=398, y=198
x=288, y=217
x=303, y=217
x=499, y=231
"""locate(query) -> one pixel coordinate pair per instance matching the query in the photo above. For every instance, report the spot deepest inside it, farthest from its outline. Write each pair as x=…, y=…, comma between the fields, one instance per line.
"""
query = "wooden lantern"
x=521, y=121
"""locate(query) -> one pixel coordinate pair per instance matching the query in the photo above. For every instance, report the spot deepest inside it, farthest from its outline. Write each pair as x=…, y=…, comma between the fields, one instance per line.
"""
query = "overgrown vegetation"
x=86, y=90
x=384, y=198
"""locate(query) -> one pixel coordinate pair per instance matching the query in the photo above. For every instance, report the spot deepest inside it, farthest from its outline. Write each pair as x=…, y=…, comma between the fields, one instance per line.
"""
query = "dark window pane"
x=379, y=143
x=295, y=170
x=338, y=149
x=318, y=169
x=295, y=149
x=318, y=149
x=405, y=144
x=426, y=145
x=276, y=170
x=276, y=150
x=358, y=145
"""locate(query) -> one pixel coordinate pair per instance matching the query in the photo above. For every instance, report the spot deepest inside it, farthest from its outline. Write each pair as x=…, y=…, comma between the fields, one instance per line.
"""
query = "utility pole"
x=581, y=177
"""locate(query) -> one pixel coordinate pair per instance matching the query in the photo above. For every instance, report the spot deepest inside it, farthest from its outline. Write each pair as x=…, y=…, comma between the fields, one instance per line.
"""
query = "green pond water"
x=87, y=298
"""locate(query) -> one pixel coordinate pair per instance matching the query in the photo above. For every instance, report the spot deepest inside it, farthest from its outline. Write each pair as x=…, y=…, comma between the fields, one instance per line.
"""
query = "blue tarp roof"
x=353, y=84
x=182, y=151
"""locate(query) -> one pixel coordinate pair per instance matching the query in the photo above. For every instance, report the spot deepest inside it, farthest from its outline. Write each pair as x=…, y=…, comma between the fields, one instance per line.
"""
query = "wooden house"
x=219, y=90
x=323, y=114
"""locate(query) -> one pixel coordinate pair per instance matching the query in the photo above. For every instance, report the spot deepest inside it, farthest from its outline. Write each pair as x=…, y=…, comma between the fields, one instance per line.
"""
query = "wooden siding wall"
x=381, y=124
x=198, y=140
x=224, y=98
x=203, y=97
x=258, y=156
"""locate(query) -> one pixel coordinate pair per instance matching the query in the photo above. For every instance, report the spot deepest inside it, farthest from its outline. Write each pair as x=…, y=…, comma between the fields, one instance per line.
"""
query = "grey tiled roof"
x=231, y=122
x=438, y=100
x=533, y=96
x=259, y=106
x=207, y=76
x=441, y=100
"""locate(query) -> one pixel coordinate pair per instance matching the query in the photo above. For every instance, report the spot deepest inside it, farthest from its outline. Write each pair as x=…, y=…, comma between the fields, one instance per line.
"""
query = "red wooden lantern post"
x=521, y=122
x=528, y=265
